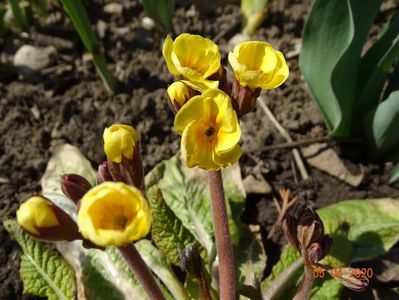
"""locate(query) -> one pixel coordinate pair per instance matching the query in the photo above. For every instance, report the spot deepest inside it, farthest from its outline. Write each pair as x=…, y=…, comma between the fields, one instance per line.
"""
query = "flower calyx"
x=124, y=162
x=74, y=186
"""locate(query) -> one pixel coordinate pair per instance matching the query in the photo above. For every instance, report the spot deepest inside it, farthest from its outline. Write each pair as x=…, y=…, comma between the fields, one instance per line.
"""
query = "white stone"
x=29, y=58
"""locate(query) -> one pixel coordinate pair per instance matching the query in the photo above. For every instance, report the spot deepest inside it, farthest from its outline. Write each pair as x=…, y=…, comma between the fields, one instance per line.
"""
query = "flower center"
x=210, y=131
x=120, y=222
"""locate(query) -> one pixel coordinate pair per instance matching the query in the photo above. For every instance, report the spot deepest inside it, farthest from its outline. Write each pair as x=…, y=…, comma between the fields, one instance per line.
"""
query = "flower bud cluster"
x=114, y=212
x=207, y=109
x=306, y=234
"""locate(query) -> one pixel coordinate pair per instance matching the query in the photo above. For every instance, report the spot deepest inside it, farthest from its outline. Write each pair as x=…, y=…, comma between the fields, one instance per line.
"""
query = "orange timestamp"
x=360, y=273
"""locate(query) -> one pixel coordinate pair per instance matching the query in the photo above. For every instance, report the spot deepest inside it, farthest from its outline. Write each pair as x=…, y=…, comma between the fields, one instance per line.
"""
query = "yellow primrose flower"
x=114, y=213
x=178, y=93
x=119, y=140
x=37, y=212
x=195, y=58
x=210, y=131
x=258, y=65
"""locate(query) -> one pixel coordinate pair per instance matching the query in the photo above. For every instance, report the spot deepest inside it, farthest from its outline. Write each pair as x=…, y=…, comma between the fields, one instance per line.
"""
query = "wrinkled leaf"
x=250, y=261
x=381, y=128
x=186, y=193
x=333, y=39
x=43, y=272
x=167, y=231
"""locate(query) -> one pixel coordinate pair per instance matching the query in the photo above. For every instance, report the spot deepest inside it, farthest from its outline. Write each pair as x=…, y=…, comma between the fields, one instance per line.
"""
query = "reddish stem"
x=141, y=271
x=227, y=280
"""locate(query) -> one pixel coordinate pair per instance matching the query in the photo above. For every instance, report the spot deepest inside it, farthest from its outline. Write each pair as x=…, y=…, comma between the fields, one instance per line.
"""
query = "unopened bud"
x=74, y=186
x=103, y=173
x=221, y=76
x=178, y=94
x=310, y=228
x=315, y=252
x=243, y=98
x=124, y=162
x=39, y=217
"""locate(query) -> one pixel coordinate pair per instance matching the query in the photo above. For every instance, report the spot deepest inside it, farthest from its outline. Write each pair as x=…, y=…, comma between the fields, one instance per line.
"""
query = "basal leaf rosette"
x=119, y=140
x=193, y=57
x=258, y=65
x=114, y=213
x=210, y=131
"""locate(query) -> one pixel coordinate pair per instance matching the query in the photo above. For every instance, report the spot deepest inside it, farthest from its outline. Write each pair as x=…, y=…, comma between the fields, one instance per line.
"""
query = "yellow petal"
x=178, y=92
x=119, y=140
x=191, y=111
x=281, y=74
x=114, y=214
x=167, y=50
x=228, y=158
x=36, y=212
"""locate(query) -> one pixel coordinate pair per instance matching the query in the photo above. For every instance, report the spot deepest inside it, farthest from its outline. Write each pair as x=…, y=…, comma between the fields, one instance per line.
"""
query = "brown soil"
x=68, y=104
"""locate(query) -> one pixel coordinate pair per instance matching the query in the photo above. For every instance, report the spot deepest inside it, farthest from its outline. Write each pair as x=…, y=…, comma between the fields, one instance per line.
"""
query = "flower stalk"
x=141, y=271
x=227, y=287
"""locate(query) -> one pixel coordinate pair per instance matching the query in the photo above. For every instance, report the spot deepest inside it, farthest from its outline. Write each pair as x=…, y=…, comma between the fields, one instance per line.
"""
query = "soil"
x=67, y=103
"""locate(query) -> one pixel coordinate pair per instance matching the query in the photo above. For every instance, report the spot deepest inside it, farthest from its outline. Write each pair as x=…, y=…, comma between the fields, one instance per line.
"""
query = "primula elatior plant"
x=208, y=122
x=194, y=223
x=355, y=87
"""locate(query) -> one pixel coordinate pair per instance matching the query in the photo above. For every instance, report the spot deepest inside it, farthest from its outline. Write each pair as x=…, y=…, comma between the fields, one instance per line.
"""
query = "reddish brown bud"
x=74, y=186
x=243, y=98
x=129, y=171
x=103, y=173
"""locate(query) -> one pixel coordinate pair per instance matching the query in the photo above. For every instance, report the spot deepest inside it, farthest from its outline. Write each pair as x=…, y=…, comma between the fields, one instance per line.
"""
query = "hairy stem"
x=141, y=271
x=305, y=288
x=227, y=286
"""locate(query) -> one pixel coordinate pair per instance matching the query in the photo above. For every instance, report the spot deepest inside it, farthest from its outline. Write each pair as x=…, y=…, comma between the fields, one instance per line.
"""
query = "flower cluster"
x=114, y=212
x=207, y=109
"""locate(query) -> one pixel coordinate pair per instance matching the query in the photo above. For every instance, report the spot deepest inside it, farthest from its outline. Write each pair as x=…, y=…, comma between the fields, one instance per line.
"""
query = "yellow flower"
x=195, y=58
x=114, y=213
x=258, y=65
x=210, y=131
x=37, y=212
x=119, y=140
x=178, y=94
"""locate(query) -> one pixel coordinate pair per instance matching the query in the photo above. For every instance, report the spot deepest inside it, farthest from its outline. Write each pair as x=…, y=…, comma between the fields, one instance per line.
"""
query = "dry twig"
x=284, y=133
x=283, y=208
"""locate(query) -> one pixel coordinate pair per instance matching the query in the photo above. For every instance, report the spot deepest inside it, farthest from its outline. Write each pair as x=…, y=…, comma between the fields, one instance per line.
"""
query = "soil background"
x=67, y=103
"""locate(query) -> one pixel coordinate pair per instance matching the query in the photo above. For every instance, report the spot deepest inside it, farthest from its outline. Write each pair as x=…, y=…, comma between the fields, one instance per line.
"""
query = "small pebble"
x=29, y=59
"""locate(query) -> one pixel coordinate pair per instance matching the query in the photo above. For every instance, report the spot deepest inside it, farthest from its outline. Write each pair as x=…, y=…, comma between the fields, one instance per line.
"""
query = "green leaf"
x=253, y=13
x=250, y=261
x=65, y=159
x=327, y=288
x=161, y=11
x=381, y=128
x=77, y=13
x=333, y=38
x=159, y=266
x=19, y=15
x=43, y=272
x=394, y=174
x=186, y=193
x=373, y=225
x=167, y=231
x=375, y=65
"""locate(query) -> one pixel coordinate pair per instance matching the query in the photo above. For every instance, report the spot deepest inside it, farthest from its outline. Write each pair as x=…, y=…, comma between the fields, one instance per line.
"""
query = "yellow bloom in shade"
x=210, y=131
x=258, y=65
x=195, y=58
x=37, y=212
x=114, y=213
x=119, y=140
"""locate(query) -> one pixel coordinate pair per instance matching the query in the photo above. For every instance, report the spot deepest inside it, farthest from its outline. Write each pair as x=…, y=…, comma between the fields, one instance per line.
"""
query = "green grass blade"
x=80, y=20
x=19, y=15
x=253, y=14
